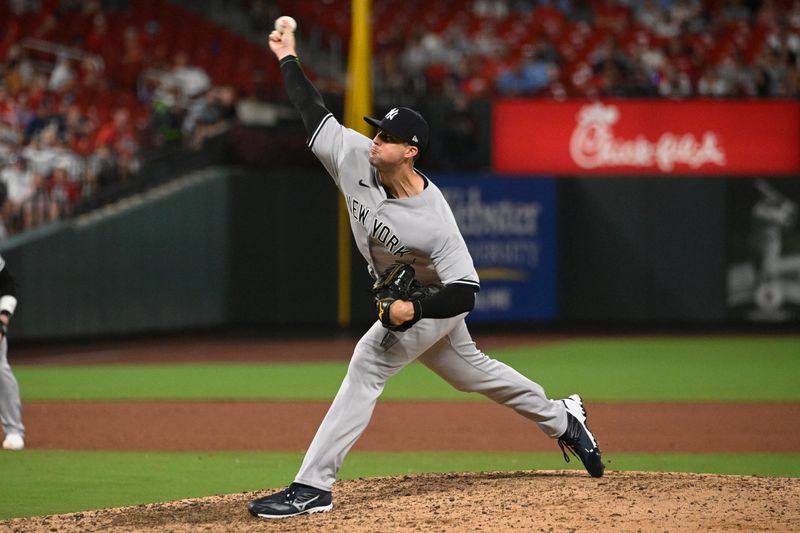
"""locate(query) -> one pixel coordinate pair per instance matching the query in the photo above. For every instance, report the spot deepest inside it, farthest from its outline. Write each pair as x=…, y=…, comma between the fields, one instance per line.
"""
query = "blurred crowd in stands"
x=614, y=48
x=89, y=90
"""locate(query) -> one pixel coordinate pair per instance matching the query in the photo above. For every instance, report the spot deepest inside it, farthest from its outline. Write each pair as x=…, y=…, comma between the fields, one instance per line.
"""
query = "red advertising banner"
x=661, y=137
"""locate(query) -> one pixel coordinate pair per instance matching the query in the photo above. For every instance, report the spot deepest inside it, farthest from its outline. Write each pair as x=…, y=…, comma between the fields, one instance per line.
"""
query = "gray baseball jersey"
x=422, y=231
x=10, y=403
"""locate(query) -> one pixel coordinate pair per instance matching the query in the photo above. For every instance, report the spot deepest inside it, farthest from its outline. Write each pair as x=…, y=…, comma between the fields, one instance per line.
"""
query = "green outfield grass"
x=36, y=482
x=658, y=369
x=39, y=482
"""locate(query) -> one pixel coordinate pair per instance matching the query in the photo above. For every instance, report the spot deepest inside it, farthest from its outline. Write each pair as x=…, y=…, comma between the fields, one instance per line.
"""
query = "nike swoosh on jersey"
x=361, y=182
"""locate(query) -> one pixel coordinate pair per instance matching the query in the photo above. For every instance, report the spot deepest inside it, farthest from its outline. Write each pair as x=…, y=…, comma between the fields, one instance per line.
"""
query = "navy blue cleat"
x=578, y=439
x=294, y=500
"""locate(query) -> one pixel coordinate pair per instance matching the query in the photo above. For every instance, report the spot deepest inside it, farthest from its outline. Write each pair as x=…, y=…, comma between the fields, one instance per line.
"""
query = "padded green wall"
x=155, y=263
x=222, y=247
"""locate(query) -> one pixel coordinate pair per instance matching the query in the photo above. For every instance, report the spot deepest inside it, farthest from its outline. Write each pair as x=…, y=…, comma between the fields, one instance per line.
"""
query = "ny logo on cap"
x=392, y=113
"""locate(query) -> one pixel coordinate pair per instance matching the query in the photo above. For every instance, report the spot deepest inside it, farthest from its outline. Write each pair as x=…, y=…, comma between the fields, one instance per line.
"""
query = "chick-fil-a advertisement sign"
x=615, y=137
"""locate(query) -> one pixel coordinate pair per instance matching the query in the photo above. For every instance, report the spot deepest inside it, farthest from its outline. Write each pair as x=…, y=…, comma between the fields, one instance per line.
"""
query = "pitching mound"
x=488, y=501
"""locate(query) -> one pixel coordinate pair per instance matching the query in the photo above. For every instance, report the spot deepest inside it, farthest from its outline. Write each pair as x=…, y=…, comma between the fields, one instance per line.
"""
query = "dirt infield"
x=403, y=426
x=489, y=502
x=623, y=427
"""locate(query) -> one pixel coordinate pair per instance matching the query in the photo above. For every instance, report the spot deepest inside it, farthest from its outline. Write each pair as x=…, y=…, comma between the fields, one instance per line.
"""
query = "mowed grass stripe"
x=39, y=482
x=654, y=369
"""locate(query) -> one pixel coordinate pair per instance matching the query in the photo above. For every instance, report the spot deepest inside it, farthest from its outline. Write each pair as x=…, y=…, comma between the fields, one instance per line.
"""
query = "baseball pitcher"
x=425, y=284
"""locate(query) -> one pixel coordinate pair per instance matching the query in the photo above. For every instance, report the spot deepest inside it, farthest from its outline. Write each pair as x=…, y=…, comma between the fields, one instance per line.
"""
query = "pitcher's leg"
x=456, y=359
x=10, y=404
x=351, y=410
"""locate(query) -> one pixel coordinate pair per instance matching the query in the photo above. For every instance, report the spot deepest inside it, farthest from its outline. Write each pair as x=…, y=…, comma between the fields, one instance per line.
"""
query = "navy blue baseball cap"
x=404, y=123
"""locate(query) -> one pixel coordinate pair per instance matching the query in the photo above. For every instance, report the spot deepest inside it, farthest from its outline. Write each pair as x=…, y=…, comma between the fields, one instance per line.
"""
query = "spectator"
x=167, y=116
x=487, y=43
x=674, y=83
x=62, y=77
x=667, y=26
x=78, y=129
x=735, y=11
x=98, y=39
x=39, y=158
x=112, y=131
x=19, y=185
x=772, y=78
x=133, y=58
x=687, y=14
x=712, y=84
x=530, y=75
x=10, y=131
x=784, y=42
x=212, y=116
x=9, y=39
x=496, y=9
x=793, y=16
x=44, y=116
x=740, y=77
x=63, y=192
x=119, y=136
x=18, y=71
x=191, y=80
x=102, y=171
x=648, y=14
x=651, y=59
x=35, y=210
x=581, y=12
x=612, y=15
x=610, y=56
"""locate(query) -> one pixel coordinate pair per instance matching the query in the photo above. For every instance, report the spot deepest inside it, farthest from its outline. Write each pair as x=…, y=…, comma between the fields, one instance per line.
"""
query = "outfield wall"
x=232, y=248
x=216, y=248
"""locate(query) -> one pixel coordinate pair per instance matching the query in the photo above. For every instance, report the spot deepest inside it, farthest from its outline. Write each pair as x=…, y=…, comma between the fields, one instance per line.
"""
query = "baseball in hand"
x=285, y=23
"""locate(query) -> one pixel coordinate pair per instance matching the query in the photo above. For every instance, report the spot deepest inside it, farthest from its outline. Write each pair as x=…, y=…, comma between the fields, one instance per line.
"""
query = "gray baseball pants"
x=10, y=404
x=444, y=346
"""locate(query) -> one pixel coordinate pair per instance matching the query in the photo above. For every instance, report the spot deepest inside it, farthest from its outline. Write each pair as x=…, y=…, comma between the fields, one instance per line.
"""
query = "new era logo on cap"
x=405, y=124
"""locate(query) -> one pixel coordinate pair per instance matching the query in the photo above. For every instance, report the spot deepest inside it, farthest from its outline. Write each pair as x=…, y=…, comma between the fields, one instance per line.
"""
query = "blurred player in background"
x=10, y=403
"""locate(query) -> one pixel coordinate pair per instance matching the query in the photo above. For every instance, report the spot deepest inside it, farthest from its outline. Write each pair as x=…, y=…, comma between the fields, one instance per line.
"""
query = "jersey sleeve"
x=452, y=260
x=335, y=145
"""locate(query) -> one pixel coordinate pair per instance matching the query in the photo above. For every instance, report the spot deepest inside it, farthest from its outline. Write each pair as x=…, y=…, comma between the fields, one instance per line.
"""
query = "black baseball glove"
x=398, y=282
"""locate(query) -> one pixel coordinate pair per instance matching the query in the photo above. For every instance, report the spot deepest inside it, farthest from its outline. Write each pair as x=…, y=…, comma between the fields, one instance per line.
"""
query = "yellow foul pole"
x=357, y=104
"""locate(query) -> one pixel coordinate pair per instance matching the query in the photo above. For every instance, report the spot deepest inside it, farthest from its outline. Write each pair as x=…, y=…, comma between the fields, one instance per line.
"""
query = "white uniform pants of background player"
x=444, y=346
x=10, y=405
